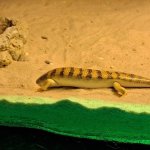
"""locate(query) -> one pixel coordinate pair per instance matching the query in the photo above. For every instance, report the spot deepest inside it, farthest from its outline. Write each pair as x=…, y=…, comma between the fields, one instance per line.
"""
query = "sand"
x=99, y=34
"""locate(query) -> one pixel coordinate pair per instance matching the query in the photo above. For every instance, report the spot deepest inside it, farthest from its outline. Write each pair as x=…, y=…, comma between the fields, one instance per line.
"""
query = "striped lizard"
x=90, y=78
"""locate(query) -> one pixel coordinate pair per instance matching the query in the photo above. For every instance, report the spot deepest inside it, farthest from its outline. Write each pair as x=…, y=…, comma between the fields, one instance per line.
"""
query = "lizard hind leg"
x=47, y=84
x=120, y=90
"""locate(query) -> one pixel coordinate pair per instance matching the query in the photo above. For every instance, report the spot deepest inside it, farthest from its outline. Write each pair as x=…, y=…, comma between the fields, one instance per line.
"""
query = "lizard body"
x=90, y=78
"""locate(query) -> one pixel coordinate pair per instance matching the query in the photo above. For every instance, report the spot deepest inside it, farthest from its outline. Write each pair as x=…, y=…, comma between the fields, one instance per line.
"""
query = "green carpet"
x=93, y=119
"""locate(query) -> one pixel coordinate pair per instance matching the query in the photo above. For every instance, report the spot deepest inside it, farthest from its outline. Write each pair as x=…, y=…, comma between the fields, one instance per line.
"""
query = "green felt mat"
x=93, y=119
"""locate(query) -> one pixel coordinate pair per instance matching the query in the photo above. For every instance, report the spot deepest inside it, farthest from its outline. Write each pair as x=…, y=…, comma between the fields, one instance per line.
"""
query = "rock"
x=4, y=24
x=14, y=38
x=47, y=61
x=44, y=37
x=5, y=59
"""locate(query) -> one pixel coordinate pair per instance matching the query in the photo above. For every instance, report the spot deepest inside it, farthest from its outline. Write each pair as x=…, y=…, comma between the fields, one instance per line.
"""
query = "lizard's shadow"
x=62, y=87
x=75, y=88
x=115, y=92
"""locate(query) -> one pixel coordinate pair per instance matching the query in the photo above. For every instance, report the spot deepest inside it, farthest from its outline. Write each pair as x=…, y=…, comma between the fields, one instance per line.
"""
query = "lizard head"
x=41, y=80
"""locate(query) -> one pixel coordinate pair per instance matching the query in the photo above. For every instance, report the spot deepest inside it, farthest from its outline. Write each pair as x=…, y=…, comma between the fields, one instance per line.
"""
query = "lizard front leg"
x=48, y=83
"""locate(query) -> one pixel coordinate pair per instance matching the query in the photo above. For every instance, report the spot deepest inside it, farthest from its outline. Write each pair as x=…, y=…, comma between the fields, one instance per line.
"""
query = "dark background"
x=12, y=138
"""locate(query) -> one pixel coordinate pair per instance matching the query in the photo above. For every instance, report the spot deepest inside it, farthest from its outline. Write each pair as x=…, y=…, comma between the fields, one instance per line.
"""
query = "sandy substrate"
x=99, y=34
